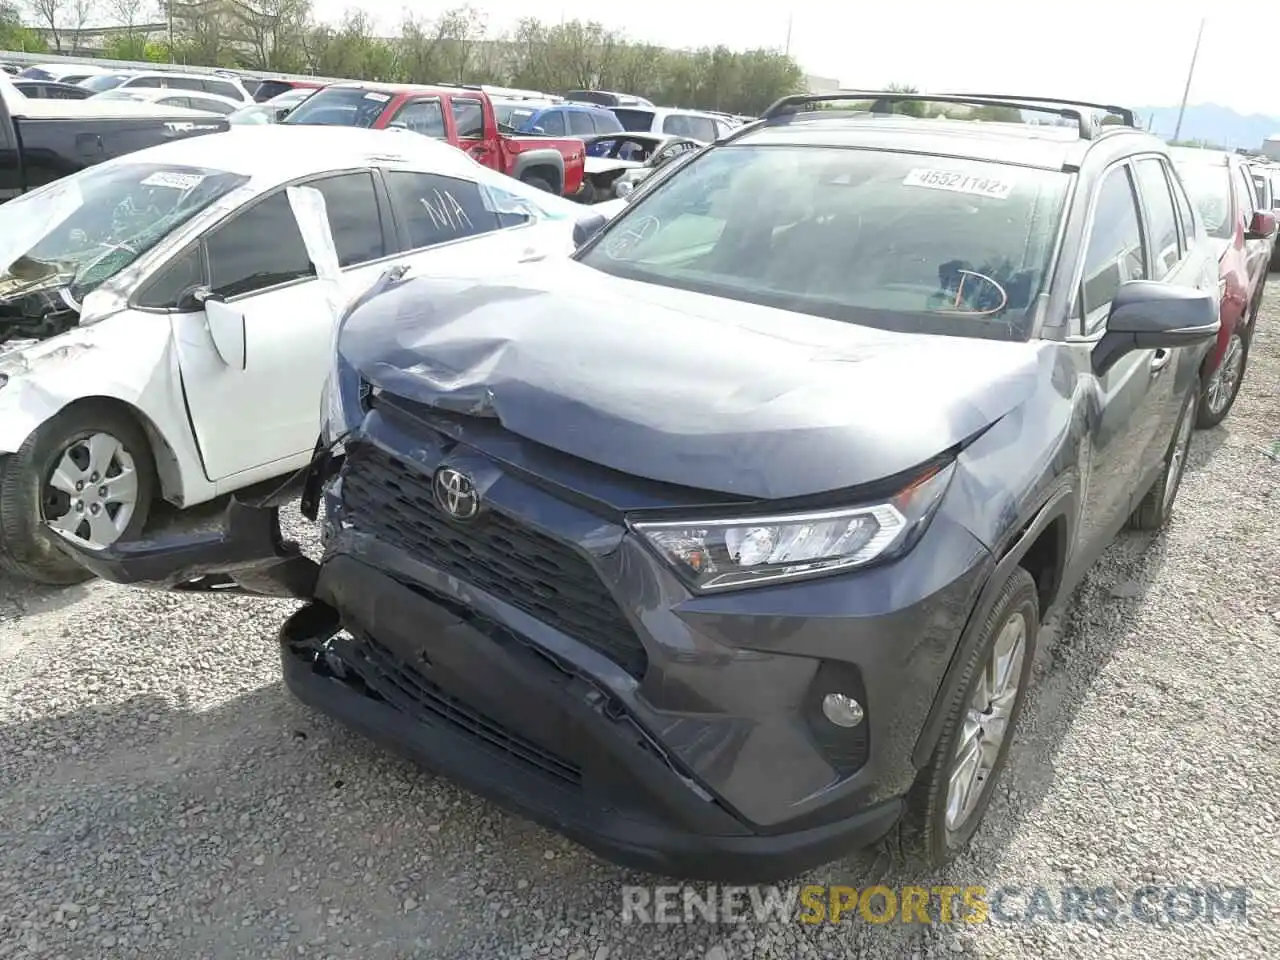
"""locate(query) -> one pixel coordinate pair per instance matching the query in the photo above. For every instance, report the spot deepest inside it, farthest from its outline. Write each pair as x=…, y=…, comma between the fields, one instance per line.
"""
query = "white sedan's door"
x=254, y=360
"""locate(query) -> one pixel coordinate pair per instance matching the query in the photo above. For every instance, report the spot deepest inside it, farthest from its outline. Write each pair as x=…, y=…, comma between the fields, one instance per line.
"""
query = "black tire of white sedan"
x=1155, y=507
x=953, y=791
x=87, y=471
x=1223, y=385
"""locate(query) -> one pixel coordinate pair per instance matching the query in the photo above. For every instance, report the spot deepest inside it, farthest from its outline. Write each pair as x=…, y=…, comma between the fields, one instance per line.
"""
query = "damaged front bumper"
x=249, y=555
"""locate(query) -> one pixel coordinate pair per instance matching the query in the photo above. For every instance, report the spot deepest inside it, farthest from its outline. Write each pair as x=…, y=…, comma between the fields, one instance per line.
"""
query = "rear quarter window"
x=637, y=121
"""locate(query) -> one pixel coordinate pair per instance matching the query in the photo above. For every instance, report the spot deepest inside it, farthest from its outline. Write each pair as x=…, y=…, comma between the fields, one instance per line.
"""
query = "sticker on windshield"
x=959, y=183
x=377, y=97
x=175, y=181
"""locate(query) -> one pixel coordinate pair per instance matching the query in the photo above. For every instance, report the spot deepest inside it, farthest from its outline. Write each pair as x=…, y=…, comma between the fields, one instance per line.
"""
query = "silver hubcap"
x=1179, y=461
x=986, y=722
x=1222, y=385
x=93, y=491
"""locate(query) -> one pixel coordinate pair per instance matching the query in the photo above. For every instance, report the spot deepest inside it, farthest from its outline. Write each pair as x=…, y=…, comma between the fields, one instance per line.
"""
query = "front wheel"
x=1222, y=386
x=1154, y=509
x=86, y=472
x=948, y=801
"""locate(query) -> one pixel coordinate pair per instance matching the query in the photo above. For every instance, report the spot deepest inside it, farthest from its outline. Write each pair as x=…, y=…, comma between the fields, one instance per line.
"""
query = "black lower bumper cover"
x=248, y=555
x=671, y=835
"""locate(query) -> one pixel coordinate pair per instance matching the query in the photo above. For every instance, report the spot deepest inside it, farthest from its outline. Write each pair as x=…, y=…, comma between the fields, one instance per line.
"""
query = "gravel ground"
x=162, y=797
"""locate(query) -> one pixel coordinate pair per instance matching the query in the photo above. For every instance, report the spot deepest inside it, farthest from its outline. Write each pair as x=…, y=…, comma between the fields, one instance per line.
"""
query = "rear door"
x=254, y=412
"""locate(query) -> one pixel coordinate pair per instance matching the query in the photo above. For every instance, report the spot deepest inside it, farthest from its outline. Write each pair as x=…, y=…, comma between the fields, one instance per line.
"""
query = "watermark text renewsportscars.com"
x=816, y=904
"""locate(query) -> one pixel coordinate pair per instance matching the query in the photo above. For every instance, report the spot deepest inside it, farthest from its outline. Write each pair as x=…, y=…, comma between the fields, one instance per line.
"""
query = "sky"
x=1135, y=52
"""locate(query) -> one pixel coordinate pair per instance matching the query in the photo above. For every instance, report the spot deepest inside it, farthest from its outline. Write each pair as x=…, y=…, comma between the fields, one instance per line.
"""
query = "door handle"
x=1160, y=361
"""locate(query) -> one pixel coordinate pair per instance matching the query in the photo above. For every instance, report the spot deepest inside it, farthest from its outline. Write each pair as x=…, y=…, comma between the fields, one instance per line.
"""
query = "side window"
x=468, y=118
x=212, y=106
x=1248, y=196
x=1114, y=255
x=260, y=248
x=702, y=128
x=1162, y=219
x=223, y=88
x=606, y=122
x=143, y=82
x=675, y=124
x=168, y=286
x=437, y=209
x=552, y=123
x=354, y=220
x=1185, y=216
x=185, y=83
x=422, y=116
x=580, y=123
x=176, y=102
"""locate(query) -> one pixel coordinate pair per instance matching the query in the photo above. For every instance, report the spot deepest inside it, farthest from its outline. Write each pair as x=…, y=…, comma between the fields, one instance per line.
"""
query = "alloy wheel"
x=1226, y=379
x=92, y=492
x=986, y=722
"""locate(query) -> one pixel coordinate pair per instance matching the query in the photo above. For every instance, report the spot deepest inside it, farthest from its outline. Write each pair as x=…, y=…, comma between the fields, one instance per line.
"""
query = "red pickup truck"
x=462, y=115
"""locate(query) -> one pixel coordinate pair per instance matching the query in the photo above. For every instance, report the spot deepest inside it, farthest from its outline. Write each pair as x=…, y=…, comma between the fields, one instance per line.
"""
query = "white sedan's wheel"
x=93, y=492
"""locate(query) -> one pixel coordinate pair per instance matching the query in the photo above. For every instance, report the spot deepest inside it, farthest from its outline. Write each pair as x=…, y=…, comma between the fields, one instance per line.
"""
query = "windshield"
x=103, y=82
x=112, y=215
x=904, y=242
x=341, y=107
x=1209, y=186
x=634, y=120
x=514, y=116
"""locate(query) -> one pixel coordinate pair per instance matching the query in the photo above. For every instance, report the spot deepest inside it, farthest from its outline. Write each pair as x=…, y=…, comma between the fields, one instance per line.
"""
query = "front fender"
x=135, y=366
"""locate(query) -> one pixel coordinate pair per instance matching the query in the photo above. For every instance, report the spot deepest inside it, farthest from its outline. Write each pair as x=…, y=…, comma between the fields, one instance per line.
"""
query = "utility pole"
x=787, y=50
x=1186, y=91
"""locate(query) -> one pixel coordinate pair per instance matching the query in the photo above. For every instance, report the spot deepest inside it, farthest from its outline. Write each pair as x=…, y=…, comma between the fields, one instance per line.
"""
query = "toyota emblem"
x=456, y=493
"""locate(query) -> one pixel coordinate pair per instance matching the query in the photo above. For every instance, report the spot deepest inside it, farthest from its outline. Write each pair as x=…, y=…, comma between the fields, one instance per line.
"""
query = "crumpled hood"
x=680, y=387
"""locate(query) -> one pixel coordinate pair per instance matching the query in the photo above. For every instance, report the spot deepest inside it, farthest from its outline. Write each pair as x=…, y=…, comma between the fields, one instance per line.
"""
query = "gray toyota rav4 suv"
x=723, y=546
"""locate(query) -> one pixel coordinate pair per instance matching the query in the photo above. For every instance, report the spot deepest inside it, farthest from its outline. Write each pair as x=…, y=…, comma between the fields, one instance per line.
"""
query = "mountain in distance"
x=1210, y=123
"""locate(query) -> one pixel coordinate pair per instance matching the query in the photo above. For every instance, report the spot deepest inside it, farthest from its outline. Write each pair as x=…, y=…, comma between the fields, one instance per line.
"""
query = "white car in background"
x=219, y=83
x=167, y=97
x=166, y=317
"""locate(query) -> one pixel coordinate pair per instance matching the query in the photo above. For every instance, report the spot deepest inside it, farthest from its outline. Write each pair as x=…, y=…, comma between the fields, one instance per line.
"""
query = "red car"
x=461, y=115
x=1220, y=185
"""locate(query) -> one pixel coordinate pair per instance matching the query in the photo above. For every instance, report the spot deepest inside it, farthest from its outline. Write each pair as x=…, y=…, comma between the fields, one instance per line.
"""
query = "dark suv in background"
x=724, y=546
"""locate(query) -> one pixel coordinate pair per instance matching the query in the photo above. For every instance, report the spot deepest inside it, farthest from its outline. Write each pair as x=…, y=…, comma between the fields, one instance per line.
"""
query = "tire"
x=1222, y=387
x=929, y=836
x=1153, y=511
x=542, y=183
x=27, y=547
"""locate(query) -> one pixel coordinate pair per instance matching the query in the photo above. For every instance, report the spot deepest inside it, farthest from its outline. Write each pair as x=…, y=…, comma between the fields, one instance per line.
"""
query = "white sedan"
x=166, y=317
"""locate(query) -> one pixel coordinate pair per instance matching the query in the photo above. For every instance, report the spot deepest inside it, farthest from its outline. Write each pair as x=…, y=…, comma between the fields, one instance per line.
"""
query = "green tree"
x=14, y=36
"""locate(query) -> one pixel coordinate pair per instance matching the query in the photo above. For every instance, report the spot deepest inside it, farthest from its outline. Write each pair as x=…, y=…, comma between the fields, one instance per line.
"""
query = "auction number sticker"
x=377, y=97
x=176, y=181
x=959, y=183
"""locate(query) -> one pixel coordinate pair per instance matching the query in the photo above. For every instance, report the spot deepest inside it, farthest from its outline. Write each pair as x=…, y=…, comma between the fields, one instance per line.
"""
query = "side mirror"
x=1262, y=226
x=192, y=301
x=283, y=112
x=538, y=130
x=1149, y=315
x=587, y=226
x=624, y=188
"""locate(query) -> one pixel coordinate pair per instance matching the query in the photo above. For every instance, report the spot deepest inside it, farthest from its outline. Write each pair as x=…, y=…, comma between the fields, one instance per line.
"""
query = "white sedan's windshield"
x=84, y=229
x=895, y=240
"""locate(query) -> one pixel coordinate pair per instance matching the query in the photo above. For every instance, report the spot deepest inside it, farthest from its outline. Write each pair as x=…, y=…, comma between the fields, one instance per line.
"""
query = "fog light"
x=843, y=711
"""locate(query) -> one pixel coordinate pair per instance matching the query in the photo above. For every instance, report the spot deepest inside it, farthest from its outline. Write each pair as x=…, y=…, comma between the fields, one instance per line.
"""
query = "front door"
x=1129, y=398
x=254, y=360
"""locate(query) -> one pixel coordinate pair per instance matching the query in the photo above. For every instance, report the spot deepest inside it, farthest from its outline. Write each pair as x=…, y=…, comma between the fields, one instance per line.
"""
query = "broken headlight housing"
x=731, y=552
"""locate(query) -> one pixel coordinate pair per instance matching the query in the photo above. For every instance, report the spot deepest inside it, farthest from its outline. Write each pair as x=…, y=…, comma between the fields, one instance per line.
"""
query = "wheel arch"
x=1042, y=549
x=545, y=163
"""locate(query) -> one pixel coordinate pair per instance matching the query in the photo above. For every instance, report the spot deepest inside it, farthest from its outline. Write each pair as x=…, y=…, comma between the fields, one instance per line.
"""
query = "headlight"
x=724, y=553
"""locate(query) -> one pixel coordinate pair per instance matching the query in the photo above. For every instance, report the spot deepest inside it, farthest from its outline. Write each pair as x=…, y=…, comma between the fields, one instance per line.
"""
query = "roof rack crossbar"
x=1124, y=113
x=787, y=107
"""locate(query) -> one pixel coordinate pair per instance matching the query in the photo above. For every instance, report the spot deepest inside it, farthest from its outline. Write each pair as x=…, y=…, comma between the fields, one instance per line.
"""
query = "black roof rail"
x=1126, y=115
x=787, y=107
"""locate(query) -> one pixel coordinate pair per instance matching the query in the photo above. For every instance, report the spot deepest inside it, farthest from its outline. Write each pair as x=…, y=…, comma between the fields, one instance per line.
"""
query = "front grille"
x=396, y=682
x=391, y=500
